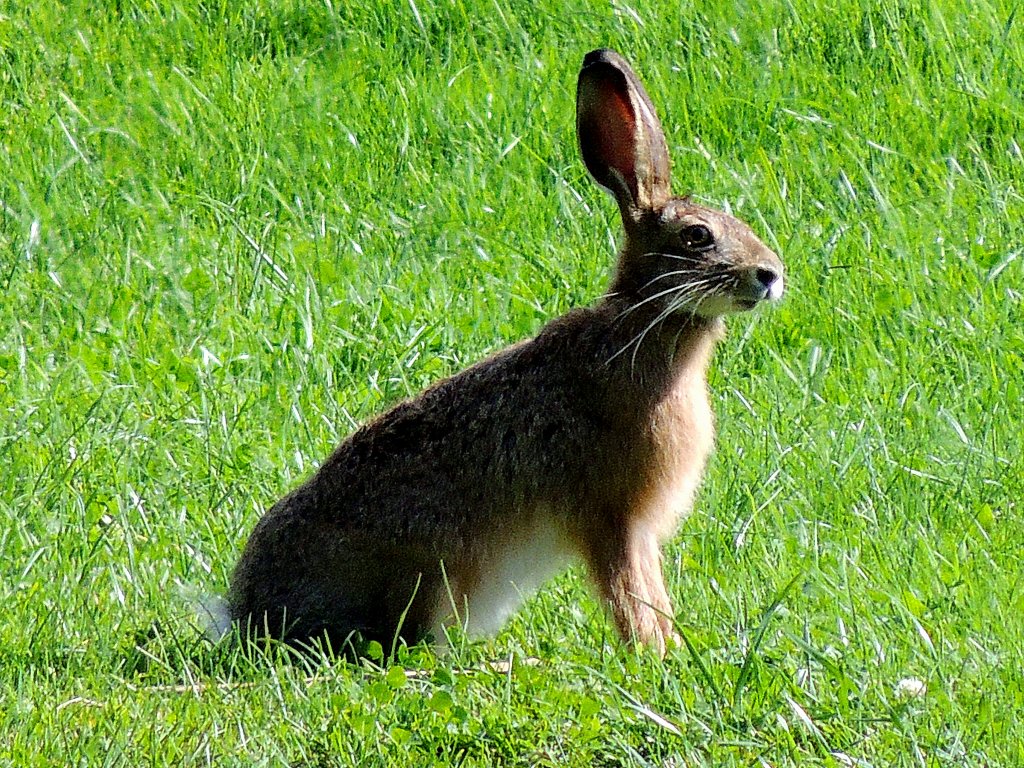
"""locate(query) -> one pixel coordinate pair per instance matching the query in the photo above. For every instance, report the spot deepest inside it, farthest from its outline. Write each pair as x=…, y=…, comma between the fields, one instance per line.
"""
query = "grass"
x=230, y=232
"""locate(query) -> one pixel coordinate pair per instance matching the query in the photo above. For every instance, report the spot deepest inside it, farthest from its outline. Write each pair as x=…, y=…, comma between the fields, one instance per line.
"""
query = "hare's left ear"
x=620, y=135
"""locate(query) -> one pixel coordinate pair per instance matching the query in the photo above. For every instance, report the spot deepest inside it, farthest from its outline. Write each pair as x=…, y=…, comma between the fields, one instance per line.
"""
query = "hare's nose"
x=768, y=279
x=766, y=276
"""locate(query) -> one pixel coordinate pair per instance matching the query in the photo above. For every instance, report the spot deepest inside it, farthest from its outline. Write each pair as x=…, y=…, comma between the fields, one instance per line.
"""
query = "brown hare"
x=586, y=442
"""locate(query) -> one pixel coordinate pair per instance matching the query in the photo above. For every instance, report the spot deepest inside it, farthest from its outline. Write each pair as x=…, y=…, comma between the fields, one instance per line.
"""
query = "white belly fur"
x=516, y=569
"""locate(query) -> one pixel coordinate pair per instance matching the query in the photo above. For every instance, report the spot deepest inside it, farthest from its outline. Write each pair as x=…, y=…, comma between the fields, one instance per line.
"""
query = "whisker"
x=662, y=276
x=675, y=256
x=694, y=297
x=636, y=349
x=638, y=338
x=683, y=294
x=666, y=292
x=700, y=299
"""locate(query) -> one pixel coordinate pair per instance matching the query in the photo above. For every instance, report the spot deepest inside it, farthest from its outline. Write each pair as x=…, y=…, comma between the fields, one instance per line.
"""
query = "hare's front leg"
x=627, y=568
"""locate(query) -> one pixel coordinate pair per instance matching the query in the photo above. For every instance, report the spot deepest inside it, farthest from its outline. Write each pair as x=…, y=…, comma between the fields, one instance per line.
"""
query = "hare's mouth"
x=758, y=284
x=729, y=291
x=743, y=298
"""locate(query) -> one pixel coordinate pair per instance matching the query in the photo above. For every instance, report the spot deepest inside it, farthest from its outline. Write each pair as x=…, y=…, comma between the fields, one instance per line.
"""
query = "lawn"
x=231, y=232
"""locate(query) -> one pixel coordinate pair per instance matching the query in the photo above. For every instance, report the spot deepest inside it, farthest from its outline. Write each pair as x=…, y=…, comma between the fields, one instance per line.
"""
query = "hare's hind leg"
x=380, y=595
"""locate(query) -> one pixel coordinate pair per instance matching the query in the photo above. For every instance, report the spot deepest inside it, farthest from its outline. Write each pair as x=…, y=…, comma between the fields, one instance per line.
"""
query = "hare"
x=586, y=442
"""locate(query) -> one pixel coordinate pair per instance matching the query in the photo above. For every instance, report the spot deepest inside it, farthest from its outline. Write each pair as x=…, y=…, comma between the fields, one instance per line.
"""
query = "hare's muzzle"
x=761, y=282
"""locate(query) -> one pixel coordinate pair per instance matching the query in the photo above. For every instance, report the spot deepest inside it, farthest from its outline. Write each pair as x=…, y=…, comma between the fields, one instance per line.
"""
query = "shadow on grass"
x=160, y=656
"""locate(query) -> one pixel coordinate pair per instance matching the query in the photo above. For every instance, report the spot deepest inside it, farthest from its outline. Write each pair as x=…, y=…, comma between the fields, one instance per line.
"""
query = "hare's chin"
x=711, y=307
x=718, y=306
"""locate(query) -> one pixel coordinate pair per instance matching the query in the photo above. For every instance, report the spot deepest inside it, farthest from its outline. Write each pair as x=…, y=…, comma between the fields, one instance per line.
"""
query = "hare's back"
x=506, y=436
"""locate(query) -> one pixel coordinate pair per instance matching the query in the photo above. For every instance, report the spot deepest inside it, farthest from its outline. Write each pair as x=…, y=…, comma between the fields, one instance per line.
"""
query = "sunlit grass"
x=231, y=232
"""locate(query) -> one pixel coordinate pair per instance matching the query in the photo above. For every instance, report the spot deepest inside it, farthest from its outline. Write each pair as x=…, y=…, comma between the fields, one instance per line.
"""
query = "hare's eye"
x=697, y=237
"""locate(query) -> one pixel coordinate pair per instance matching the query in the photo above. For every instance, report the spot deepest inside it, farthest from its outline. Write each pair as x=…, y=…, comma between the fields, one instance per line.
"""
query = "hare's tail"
x=213, y=615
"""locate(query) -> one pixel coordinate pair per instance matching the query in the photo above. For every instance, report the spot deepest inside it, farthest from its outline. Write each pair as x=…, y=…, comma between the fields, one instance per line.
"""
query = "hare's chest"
x=683, y=434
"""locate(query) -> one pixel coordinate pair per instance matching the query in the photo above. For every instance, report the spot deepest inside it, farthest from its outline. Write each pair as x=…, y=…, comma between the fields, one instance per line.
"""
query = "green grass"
x=230, y=232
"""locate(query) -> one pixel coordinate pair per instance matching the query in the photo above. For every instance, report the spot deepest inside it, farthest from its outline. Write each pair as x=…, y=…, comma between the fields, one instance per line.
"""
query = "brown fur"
x=587, y=441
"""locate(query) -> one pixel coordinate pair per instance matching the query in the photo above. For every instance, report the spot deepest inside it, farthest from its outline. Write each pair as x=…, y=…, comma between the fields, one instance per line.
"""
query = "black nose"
x=766, y=276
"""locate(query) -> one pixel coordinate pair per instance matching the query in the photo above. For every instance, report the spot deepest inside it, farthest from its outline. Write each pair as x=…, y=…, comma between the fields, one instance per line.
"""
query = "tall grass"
x=229, y=232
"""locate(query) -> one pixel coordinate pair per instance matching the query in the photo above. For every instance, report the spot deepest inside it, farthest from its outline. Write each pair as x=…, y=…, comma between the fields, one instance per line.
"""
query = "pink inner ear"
x=618, y=144
x=608, y=135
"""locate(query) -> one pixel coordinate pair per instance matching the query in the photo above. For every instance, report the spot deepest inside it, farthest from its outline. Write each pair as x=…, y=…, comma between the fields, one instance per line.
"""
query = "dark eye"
x=697, y=237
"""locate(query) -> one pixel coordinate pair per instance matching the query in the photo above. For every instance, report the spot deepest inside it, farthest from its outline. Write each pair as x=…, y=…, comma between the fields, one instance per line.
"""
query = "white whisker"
x=662, y=276
x=683, y=294
x=666, y=292
x=636, y=349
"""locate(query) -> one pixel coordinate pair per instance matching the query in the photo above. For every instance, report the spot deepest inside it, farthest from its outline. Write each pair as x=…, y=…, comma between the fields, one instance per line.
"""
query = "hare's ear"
x=620, y=136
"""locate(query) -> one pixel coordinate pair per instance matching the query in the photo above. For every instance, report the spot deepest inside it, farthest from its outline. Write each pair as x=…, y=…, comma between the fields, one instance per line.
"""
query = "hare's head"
x=678, y=256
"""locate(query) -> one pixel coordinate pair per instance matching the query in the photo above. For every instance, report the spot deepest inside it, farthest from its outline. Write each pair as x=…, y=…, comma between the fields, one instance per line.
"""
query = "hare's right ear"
x=620, y=136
